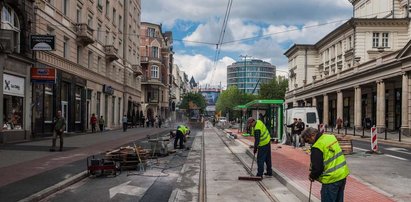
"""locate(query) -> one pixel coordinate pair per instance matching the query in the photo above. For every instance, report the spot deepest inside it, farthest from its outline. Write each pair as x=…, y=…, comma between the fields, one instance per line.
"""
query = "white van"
x=308, y=115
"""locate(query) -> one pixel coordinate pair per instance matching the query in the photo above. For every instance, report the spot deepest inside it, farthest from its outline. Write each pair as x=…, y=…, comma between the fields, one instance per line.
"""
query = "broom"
x=251, y=177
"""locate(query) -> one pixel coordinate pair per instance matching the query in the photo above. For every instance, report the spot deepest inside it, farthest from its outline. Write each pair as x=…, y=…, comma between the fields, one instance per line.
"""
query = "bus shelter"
x=270, y=112
x=243, y=118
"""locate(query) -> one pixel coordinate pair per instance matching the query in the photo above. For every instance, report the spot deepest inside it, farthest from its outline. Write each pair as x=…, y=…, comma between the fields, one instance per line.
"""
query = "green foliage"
x=275, y=89
x=229, y=99
x=196, y=98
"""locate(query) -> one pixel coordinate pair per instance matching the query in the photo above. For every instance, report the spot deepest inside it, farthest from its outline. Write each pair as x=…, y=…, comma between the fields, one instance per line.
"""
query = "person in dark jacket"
x=295, y=131
x=301, y=127
x=328, y=165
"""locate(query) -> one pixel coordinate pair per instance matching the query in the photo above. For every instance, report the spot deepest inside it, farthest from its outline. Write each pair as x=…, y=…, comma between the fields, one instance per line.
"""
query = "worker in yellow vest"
x=262, y=145
x=181, y=132
x=328, y=165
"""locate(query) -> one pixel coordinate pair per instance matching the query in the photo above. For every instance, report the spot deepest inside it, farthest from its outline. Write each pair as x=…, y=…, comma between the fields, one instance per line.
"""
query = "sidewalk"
x=27, y=168
x=293, y=166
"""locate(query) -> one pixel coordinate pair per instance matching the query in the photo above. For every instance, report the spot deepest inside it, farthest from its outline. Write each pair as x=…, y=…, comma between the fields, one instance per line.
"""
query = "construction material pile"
x=129, y=157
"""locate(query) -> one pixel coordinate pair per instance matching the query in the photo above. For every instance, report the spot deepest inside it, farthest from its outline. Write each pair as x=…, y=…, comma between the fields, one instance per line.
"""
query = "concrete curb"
x=388, y=142
x=301, y=193
x=55, y=188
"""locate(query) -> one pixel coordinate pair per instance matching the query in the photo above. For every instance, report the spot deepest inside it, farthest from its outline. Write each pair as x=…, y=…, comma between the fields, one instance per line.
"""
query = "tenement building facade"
x=16, y=25
x=157, y=62
x=360, y=72
x=96, y=63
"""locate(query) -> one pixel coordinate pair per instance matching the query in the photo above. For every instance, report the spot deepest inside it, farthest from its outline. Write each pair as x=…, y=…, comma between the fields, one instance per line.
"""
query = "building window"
x=78, y=14
x=13, y=112
x=119, y=110
x=98, y=101
x=99, y=32
x=100, y=5
x=151, y=32
x=98, y=63
x=114, y=16
x=65, y=7
x=107, y=8
x=384, y=39
x=154, y=52
x=154, y=72
x=106, y=38
x=51, y=2
x=90, y=20
x=65, y=48
x=120, y=23
x=375, y=39
x=48, y=103
x=113, y=106
x=10, y=21
x=78, y=104
x=90, y=60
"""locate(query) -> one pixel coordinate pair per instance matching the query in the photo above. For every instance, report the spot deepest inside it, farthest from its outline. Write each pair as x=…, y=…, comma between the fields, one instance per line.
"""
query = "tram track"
x=203, y=192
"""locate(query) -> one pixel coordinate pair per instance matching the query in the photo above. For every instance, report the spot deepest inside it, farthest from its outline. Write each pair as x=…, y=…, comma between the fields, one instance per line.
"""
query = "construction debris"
x=129, y=157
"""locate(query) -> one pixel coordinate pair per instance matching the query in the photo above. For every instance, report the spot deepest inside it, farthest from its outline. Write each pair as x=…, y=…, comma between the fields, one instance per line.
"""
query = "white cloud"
x=202, y=67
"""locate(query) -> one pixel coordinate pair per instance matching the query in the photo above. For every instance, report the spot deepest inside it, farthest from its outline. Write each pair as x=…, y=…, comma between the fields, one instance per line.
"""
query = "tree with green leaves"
x=195, y=98
x=275, y=89
x=230, y=98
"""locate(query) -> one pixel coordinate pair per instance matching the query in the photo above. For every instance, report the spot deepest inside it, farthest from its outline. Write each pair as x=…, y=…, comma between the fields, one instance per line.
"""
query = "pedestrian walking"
x=339, y=123
x=93, y=122
x=101, y=123
x=142, y=121
x=295, y=131
x=125, y=122
x=261, y=145
x=160, y=121
x=59, y=127
x=328, y=165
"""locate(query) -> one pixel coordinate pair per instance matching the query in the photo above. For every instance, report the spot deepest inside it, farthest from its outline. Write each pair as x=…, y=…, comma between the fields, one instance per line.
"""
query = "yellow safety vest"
x=264, y=134
x=182, y=129
x=335, y=166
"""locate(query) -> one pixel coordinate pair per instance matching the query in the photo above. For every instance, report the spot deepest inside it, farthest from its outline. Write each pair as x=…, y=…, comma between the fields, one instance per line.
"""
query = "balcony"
x=147, y=59
x=137, y=70
x=84, y=34
x=111, y=53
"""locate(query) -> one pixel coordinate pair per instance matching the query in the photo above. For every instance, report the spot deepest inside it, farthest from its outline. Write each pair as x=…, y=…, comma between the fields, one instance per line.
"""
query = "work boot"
x=268, y=175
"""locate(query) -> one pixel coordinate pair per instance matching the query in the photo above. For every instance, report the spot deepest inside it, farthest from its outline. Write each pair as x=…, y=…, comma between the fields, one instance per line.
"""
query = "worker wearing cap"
x=182, y=130
x=328, y=165
x=262, y=145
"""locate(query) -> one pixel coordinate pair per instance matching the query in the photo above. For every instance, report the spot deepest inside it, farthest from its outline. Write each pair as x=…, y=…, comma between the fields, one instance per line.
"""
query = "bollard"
x=399, y=135
x=385, y=138
x=338, y=131
x=345, y=130
x=354, y=130
x=332, y=129
x=374, y=141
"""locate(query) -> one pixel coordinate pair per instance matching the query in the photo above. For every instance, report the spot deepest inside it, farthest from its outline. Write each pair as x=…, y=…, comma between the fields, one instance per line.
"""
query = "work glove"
x=255, y=150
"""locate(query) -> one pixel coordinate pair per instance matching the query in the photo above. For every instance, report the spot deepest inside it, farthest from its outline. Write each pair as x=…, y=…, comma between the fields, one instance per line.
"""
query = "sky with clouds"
x=263, y=29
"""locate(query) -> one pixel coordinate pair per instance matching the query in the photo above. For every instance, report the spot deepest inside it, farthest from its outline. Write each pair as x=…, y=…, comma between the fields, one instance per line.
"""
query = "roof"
x=263, y=103
x=240, y=107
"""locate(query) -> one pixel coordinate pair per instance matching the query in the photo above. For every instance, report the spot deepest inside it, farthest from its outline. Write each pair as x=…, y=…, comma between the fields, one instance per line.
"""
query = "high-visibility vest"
x=264, y=134
x=182, y=129
x=335, y=166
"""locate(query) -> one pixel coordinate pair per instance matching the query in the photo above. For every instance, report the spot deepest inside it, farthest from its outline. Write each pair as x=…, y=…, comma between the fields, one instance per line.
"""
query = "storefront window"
x=98, y=104
x=78, y=104
x=48, y=103
x=13, y=112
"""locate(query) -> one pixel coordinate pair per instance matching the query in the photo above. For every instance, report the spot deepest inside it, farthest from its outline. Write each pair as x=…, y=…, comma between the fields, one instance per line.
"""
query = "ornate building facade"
x=360, y=71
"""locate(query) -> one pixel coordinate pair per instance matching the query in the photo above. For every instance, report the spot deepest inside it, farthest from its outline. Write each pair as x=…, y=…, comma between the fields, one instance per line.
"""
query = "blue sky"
x=273, y=25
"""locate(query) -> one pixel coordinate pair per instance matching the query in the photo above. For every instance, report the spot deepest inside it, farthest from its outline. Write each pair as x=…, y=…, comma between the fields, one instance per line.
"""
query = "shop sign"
x=13, y=85
x=108, y=89
x=43, y=75
x=42, y=42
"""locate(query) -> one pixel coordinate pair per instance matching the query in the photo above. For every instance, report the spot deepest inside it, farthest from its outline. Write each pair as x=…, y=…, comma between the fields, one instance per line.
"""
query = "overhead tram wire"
x=221, y=38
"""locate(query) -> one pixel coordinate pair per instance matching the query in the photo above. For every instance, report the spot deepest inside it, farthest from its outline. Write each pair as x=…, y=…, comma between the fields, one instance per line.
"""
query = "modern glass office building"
x=247, y=75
